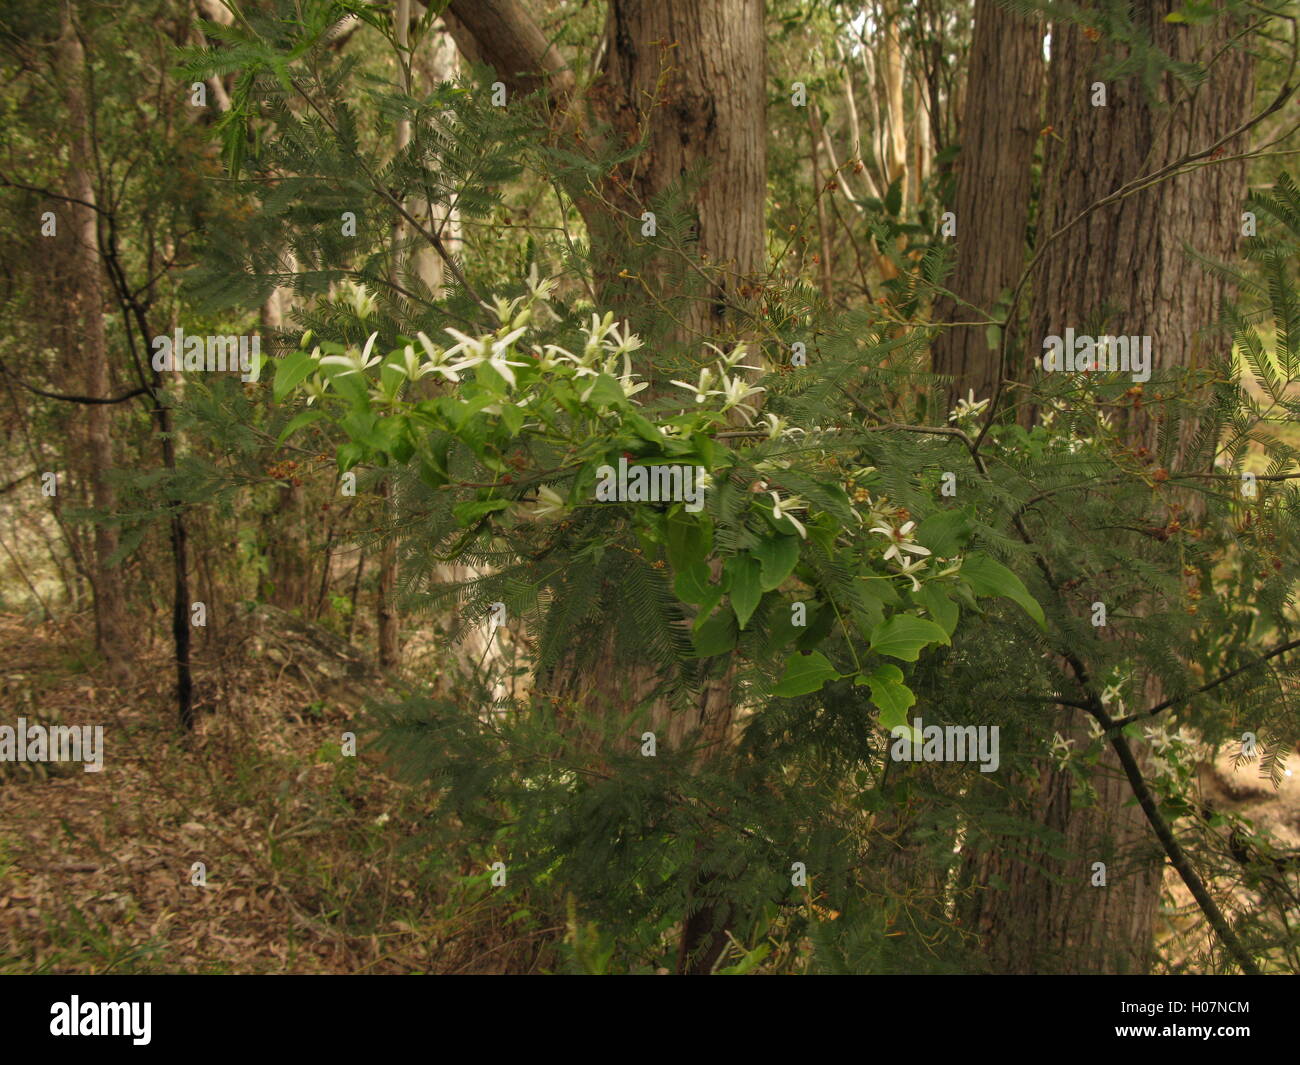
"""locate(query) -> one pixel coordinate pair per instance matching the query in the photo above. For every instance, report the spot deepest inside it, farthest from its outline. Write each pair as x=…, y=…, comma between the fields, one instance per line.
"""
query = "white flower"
x=487, y=350
x=549, y=502
x=505, y=310
x=775, y=426
x=629, y=388
x=732, y=360
x=596, y=333
x=1158, y=736
x=1061, y=747
x=968, y=407
x=538, y=287
x=736, y=391
x=622, y=342
x=782, y=509
x=356, y=362
x=361, y=301
x=704, y=390
x=477, y=347
x=437, y=360
x=316, y=388
x=900, y=540
x=909, y=567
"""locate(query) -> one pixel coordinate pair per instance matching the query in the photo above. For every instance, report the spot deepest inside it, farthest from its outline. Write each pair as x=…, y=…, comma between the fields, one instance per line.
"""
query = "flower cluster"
x=733, y=390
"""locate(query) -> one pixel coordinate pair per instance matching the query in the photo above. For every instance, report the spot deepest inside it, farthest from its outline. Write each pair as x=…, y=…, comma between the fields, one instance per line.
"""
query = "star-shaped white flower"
x=316, y=389
x=1061, y=747
x=437, y=360
x=356, y=362
x=968, y=407
x=488, y=350
x=910, y=567
x=900, y=540
x=782, y=508
x=704, y=389
x=735, y=391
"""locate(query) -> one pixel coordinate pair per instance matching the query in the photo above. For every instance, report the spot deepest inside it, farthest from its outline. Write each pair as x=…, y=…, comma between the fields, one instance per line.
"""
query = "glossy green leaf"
x=805, y=674
x=903, y=636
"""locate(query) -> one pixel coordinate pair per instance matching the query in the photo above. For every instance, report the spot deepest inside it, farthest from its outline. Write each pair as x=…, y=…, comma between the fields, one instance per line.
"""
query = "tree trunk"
x=386, y=618
x=690, y=75
x=111, y=635
x=1123, y=271
x=998, y=135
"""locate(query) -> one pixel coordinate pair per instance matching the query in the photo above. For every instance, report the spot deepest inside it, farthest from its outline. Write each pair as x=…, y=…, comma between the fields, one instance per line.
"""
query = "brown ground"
x=95, y=868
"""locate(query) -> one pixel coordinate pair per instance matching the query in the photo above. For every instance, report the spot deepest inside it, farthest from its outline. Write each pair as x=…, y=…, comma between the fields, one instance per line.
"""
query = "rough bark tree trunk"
x=1123, y=270
x=690, y=74
x=998, y=134
x=111, y=635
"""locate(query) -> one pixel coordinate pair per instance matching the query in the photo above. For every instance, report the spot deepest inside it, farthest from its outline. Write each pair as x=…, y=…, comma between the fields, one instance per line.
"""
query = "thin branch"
x=1174, y=700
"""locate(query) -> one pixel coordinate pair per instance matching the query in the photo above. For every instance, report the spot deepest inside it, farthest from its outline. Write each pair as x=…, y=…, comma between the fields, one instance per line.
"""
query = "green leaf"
x=821, y=619
x=777, y=557
x=746, y=588
x=933, y=597
x=467, y=513
x=689, y=539
x=299, y=421
x=903, y=636
x=882, y=590
x=894, y=197
x=291, y=371
x=890, y=694
x=804, y=675
x=691, y=584
x=717, y=635
x=349, y=455
x=945, y=532
x=606, y=392
x=987, y=576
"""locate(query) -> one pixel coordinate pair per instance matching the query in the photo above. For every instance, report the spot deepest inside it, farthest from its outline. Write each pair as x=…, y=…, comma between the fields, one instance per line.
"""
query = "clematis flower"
x=549, y=503
x=782, y=508
x=910, y=567
x=437, y=360
x=487, y=350
x=967, y=408
x=356, y=362
x=735, y=391
x=900, y=540
x=704, y=389
x=316, y=389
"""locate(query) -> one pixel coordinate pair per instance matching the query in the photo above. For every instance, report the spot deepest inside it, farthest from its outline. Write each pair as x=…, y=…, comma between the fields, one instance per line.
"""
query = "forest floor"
x=310, y=857
x=315, y=862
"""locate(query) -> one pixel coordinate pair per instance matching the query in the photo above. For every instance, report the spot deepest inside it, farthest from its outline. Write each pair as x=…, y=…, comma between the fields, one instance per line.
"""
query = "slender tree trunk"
x=896, y=135
x=387, y=622
x=111, y=631
x=289, y=525
x=1123, y=271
